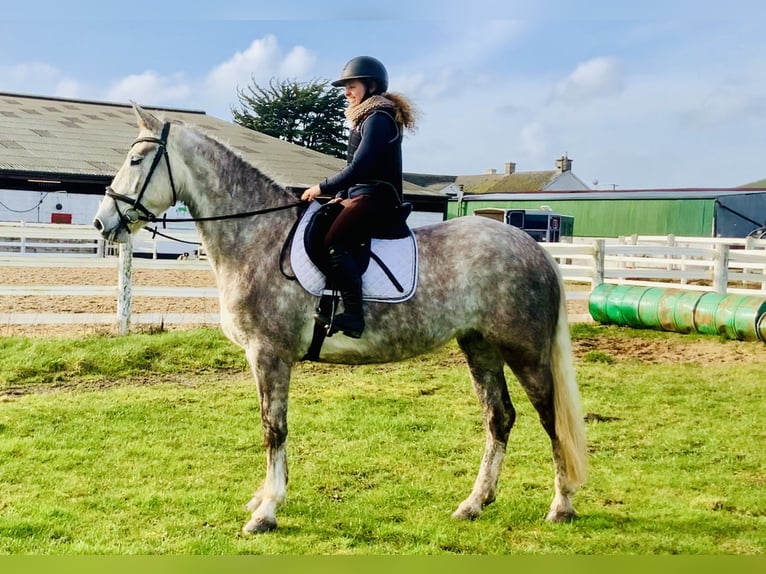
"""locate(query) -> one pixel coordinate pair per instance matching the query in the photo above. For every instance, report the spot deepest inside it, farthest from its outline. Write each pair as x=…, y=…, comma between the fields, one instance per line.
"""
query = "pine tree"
x=309, y=114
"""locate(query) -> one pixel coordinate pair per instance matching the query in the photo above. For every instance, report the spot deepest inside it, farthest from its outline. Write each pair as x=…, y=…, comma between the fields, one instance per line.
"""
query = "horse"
x=486, y=284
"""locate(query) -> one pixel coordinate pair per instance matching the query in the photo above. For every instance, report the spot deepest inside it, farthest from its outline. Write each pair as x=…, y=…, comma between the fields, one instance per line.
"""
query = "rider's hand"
x=311, y=193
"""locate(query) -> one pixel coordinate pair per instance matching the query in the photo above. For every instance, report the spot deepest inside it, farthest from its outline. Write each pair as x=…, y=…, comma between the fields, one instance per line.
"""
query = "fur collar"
x=356, y=114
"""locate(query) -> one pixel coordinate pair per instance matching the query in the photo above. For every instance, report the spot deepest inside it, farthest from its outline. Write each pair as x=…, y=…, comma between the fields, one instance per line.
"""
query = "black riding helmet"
x=364, y=68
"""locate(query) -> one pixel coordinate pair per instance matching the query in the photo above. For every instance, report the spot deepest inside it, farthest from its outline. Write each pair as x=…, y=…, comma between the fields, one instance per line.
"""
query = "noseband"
x=137, y=211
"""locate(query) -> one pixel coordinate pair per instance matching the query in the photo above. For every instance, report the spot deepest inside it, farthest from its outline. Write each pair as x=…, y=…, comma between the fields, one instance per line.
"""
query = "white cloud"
x=150, y=88
x=422, y=87
x=29, y=77
x=68, y=89
x=297, y=63
x=261, y=61
x=591, y=79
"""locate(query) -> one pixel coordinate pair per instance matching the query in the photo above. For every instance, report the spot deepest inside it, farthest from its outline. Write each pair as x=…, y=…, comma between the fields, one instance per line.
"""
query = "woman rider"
x=370, y=186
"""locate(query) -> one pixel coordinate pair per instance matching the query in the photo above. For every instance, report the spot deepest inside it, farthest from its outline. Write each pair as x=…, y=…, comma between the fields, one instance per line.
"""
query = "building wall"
x=612, y=218
x=44, y=207
x=39, y=206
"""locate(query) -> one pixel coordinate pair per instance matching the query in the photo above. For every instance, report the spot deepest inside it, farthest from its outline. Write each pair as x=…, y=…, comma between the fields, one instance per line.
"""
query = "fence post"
x=598, y=262
x=23, y=241
x=125, y=287
x=721, y=268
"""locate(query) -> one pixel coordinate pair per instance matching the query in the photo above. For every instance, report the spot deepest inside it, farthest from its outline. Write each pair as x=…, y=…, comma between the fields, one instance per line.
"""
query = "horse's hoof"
x=466, y=512
x=259, y=525
x=561, y=516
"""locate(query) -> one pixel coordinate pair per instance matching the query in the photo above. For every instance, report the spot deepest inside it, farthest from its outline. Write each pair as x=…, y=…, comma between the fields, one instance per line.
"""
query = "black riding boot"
x=348, y=280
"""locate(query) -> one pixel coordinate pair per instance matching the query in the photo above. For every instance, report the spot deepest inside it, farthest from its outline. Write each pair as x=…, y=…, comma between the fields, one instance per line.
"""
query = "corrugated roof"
x=53, y=138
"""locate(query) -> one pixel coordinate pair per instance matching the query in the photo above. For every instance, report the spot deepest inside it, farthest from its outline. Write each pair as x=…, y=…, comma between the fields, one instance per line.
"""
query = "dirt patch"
x=675, y=350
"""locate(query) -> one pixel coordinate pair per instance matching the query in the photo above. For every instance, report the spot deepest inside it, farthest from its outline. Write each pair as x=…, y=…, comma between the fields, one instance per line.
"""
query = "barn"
x=57, y=156
x=734, y=212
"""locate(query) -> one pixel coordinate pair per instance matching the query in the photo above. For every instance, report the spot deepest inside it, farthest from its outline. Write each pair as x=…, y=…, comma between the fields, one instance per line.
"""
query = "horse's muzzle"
x=116, y=233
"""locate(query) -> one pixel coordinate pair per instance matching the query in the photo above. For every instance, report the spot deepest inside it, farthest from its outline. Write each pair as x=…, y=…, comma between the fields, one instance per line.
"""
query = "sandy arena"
x=706, y=351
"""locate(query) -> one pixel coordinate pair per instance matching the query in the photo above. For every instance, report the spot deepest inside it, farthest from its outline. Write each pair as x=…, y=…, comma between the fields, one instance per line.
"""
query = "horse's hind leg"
x=486, y=367
x=537, y=381
x=272, y=377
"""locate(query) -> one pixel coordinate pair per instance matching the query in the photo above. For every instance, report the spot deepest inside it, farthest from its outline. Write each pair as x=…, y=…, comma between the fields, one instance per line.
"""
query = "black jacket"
x=374, y=159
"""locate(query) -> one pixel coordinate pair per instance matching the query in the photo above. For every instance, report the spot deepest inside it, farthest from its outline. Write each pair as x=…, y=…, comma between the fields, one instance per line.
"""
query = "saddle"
x=388, y=261
x=319, y=224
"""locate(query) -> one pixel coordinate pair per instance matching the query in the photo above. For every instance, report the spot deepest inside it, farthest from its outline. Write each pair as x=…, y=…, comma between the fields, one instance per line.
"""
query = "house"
x=509, y=181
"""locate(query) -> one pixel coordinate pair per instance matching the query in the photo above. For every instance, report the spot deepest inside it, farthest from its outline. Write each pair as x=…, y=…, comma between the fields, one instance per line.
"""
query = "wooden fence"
x=703, y=264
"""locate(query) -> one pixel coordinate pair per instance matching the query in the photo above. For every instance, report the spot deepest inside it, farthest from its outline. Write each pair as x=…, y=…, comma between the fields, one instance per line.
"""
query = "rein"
x=139, y=212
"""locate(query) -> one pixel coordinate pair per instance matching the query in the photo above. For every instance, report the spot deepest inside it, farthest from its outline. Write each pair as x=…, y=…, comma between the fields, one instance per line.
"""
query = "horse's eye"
x=136, y=159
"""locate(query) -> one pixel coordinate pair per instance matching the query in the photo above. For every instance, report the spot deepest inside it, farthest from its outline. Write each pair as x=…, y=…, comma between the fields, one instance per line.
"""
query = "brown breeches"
x=362, y=217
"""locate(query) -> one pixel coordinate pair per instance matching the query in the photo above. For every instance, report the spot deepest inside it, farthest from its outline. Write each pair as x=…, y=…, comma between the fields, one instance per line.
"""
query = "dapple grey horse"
x=486, y=284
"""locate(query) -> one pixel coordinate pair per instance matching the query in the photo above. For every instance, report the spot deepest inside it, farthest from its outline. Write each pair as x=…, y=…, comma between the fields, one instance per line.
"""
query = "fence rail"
x=693, y=263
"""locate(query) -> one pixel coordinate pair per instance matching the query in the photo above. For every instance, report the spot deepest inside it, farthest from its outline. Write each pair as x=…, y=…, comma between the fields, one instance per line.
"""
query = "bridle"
x=138, y=212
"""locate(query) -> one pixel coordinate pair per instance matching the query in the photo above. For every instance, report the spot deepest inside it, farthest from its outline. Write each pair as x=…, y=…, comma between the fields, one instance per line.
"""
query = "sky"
x=640, y=95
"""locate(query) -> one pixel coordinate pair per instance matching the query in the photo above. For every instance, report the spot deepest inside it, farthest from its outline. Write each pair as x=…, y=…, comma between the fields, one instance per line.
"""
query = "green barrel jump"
x=667, y=309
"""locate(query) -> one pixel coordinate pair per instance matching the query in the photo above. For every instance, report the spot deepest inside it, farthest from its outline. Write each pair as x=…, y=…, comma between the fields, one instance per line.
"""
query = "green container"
x=666, y=308
x=629, y=302
x=733, y=316
x=616, y=304
x=683, y=312
x=597, y=302
x=704, y=313
x=614, y=307
x=649, y=306
x=725, y=315
x=747, y=316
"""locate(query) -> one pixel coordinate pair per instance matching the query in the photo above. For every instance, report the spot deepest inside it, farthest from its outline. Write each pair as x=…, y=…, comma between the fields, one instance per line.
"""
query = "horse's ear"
x=145, y=119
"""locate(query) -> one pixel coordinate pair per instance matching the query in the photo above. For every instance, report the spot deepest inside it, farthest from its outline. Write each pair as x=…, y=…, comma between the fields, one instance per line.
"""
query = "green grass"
x=36, y=361
x=151, y=444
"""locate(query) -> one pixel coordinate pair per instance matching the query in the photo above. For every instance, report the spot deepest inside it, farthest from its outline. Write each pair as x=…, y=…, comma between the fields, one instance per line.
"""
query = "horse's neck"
x=217, y=179
x=218, y=183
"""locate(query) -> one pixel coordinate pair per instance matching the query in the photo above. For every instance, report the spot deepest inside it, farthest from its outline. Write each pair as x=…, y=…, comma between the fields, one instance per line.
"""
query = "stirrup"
x=325, y=310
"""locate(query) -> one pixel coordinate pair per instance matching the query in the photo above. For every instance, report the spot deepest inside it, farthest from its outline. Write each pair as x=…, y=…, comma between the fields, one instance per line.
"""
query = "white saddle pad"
x=399, y=255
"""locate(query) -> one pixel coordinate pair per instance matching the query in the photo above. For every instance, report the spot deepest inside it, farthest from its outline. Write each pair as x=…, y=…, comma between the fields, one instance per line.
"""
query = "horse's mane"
x=234, y=167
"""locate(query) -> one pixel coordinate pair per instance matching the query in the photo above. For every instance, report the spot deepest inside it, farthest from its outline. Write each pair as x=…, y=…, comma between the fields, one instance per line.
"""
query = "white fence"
x=80, y=246
x=702, y=264
x=724, y=265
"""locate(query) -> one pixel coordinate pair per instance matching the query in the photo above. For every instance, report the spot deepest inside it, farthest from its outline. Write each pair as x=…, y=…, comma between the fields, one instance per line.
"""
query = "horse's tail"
x=570, y=425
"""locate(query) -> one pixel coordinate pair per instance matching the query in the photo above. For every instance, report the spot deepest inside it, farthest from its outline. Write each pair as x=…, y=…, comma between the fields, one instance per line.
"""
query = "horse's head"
x=143, y=187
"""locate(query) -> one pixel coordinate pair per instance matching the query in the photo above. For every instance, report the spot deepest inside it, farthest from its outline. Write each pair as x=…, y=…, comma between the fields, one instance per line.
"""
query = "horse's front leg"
x=272, y=377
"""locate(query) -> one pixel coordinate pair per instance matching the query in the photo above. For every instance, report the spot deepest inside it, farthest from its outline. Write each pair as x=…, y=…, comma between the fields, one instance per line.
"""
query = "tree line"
x=309, y=114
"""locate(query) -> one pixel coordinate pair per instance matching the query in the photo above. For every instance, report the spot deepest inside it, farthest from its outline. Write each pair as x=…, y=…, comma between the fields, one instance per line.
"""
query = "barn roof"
x=519, y=181
x=80, y=145
x=487, y=182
